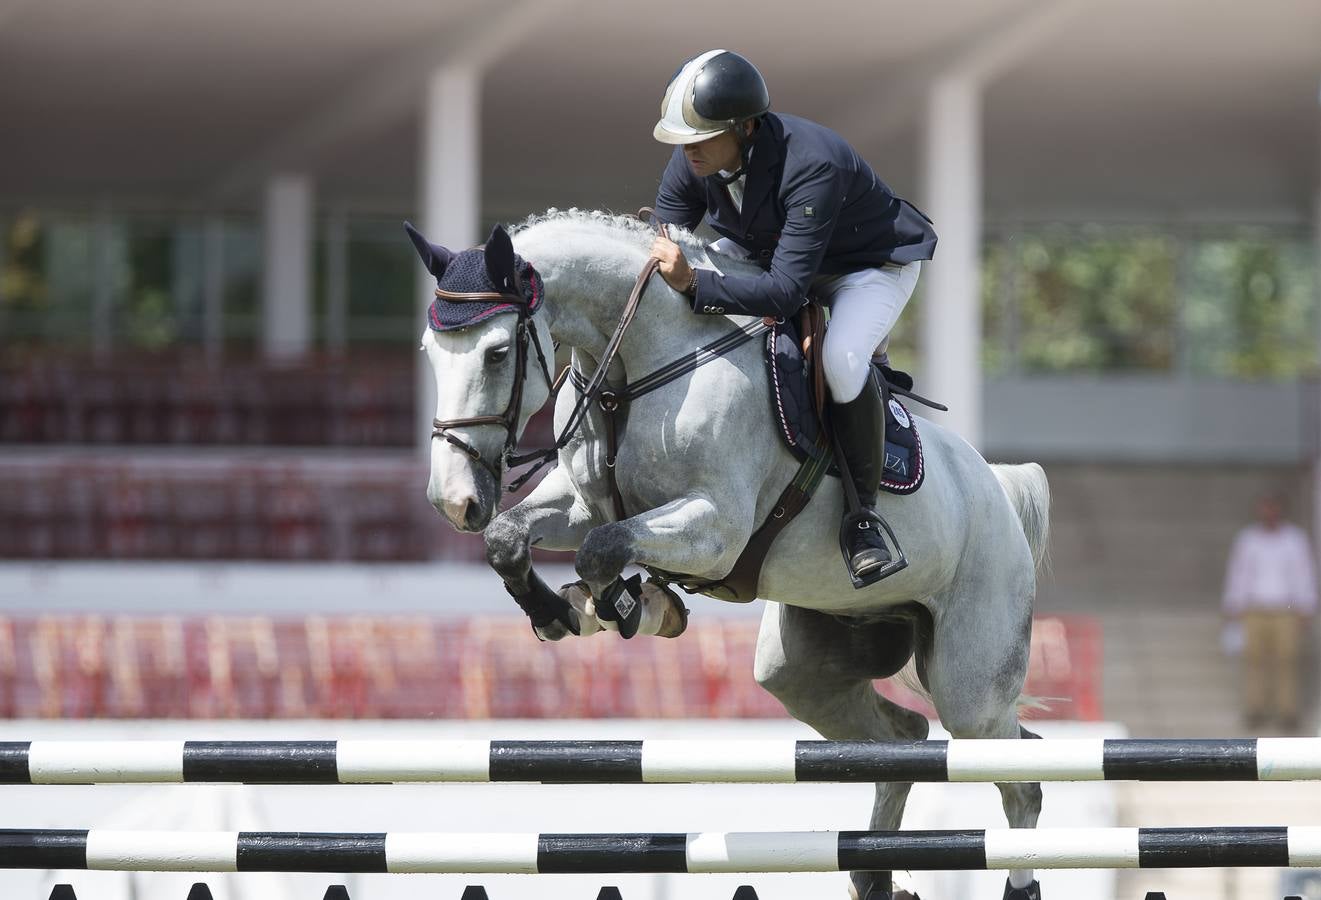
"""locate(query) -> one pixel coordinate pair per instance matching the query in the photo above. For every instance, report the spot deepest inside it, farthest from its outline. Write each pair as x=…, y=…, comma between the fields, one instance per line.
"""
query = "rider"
x=795, y=197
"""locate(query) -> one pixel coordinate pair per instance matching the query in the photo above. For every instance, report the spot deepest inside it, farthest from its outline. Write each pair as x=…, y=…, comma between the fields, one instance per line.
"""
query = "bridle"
x=509, y=457
x=440, y=428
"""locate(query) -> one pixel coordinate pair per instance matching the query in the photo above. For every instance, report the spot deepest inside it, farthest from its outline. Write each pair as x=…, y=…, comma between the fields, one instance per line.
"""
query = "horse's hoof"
x=1031, y=892
x=877, y=893
x=665, y=609
x=582, y=609
x=570, y=619
x=553, y=631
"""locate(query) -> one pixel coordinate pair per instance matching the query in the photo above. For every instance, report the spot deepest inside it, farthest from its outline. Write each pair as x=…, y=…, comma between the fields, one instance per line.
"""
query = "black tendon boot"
x=859, y=429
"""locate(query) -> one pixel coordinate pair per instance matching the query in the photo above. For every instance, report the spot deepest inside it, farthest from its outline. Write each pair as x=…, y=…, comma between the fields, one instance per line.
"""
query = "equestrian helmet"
x=710, y=94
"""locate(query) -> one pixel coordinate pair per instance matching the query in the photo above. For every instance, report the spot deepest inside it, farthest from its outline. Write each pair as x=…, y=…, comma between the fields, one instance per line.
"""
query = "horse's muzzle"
x=468, y=505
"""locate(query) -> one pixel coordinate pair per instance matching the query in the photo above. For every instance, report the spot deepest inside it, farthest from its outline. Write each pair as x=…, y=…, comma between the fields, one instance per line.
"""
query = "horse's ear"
x=435, y=257
x=500, y=261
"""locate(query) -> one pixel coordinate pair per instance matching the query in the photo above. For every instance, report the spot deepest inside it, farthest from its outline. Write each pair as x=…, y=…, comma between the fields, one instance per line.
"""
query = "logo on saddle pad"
x=900, y=414
x=896, y=464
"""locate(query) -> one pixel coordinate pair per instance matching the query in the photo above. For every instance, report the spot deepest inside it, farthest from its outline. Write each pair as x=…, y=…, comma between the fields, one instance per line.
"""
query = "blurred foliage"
x=21, y=250
x=1094, y=302
x=145, y=312
x=1250, y=307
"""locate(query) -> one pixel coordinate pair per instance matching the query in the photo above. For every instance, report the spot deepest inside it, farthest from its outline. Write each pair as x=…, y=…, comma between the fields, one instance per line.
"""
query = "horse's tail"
x=1029, y=494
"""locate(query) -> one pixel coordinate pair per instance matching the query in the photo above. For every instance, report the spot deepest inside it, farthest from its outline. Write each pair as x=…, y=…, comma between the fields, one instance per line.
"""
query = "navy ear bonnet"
x=494, y=268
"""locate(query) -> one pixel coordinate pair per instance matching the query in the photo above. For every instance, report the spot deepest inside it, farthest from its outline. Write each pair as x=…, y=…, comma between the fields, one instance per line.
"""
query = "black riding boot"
x=859, y=428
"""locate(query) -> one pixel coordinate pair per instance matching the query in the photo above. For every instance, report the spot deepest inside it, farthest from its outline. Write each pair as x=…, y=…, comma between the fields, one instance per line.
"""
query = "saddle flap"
x=812, y=329
x=798, y=396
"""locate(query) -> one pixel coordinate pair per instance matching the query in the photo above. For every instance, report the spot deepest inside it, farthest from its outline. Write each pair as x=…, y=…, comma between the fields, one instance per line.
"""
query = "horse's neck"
x=586, y=315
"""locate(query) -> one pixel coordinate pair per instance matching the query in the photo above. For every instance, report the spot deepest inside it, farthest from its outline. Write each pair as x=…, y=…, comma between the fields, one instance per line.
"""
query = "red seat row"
x=411, y=667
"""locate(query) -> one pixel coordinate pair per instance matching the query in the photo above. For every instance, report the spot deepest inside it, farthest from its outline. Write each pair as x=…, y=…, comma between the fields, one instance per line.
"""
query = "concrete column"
x=951, y=327
x=287, y=233
x=449, y=200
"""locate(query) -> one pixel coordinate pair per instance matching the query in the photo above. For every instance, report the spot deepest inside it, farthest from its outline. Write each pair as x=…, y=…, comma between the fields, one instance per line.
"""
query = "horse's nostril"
x=458, y=511
x=471, y=520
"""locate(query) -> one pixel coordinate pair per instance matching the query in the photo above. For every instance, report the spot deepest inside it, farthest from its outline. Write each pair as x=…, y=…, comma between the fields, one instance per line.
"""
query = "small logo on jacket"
x=809, y=211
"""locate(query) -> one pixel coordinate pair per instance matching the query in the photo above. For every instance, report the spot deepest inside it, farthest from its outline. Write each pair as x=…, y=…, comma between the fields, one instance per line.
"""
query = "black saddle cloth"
x=791, y=404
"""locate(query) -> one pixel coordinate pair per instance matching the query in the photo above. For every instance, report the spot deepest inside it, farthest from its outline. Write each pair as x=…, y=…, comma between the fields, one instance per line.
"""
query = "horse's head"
x=486, y=351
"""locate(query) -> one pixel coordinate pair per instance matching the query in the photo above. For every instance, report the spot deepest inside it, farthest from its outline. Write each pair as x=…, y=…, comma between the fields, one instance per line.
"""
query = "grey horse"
x=700, y=465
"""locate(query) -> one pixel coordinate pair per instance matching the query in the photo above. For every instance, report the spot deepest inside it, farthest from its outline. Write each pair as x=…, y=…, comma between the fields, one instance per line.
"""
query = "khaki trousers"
x=1272, y=640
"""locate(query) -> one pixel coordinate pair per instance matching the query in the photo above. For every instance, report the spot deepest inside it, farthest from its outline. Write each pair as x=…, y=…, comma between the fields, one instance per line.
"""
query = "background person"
x=1270, y=590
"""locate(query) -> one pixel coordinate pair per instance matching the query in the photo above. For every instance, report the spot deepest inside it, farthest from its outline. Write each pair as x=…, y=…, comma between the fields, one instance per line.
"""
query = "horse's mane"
x=592, y=231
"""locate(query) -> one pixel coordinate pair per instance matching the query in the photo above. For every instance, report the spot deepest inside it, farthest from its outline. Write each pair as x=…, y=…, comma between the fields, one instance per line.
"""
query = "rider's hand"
x=674, y=266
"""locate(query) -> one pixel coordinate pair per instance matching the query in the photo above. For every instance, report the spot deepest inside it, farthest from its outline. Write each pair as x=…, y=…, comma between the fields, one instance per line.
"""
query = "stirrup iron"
x=869, y=518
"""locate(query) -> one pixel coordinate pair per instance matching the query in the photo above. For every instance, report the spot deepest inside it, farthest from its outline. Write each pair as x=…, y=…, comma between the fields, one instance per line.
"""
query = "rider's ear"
x=500, y=261
x=435, y=257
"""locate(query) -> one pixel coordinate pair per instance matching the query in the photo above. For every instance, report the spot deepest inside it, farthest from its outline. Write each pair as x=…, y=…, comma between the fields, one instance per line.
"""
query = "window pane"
x=242, y=293
x=382, y=285
x=46, y=280
x=25, y=299
x=997, y=320
x=1093, y=301
x=1250, y=310
x=144, y=270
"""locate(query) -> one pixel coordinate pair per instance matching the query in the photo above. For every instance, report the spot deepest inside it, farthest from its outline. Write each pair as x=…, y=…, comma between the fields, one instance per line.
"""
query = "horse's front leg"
x=554, y=518
x=688, y=535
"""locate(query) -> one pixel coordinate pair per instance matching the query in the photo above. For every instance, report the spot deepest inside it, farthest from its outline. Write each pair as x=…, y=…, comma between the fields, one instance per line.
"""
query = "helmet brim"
x=666, y=135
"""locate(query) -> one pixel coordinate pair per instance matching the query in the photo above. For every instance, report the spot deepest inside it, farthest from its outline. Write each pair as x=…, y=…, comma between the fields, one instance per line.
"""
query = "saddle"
x=798, y=401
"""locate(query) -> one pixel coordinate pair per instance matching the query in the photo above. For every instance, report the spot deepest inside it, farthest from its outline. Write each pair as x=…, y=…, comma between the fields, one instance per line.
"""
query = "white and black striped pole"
x=664, y=762
x=709, y=852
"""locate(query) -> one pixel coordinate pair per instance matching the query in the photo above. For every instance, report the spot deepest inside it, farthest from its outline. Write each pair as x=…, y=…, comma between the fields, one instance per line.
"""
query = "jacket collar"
x=761, y=168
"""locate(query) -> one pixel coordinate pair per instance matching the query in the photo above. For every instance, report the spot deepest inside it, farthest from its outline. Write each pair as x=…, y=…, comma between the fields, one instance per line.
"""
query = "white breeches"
x=863, y=308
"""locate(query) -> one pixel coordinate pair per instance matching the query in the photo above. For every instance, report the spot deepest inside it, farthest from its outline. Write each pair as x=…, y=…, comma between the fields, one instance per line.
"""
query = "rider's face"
x=710, y=156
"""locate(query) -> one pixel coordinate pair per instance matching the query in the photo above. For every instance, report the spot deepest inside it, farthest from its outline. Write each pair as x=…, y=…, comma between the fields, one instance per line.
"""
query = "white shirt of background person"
x=1270, y=568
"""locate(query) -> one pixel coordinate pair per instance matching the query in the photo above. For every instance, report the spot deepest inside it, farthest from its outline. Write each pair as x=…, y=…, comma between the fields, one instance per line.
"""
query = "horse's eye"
x=496, y=355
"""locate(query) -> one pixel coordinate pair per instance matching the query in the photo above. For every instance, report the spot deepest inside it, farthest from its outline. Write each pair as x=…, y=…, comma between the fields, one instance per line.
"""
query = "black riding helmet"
x=709, y=95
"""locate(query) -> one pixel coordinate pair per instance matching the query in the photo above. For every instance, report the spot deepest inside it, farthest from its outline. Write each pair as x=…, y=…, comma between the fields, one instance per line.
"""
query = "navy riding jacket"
x=811, y=206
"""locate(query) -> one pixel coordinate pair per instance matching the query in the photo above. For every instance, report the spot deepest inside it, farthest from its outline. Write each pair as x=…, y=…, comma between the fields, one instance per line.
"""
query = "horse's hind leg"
x=822, y=671
x=974, y=668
